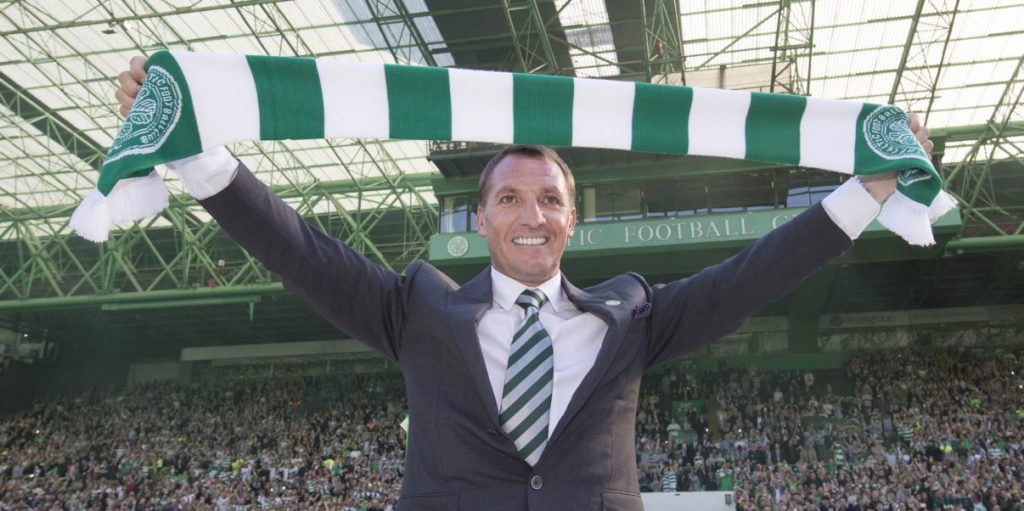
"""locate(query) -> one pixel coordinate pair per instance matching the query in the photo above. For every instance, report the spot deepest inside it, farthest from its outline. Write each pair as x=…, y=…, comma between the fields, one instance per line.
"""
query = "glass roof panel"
x=588, y=32
x=65, y=56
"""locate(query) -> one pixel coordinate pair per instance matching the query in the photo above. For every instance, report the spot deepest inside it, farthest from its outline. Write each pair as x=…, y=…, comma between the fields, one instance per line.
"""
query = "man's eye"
x=551, y=199
x=506, y=199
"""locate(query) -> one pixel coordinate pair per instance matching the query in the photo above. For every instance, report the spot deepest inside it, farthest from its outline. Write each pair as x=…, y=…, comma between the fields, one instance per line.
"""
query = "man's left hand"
x=880, y=186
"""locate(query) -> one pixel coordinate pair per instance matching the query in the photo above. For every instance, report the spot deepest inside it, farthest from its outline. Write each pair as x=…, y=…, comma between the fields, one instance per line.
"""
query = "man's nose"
x=531, y=214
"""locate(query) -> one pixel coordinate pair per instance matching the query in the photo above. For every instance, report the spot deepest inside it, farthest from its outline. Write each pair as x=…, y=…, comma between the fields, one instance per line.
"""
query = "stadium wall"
x=703, y=500
x=780, y=362
x=139, y=374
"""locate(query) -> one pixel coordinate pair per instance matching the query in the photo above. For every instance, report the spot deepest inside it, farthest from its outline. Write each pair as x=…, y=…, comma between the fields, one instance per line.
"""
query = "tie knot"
x=531, y=298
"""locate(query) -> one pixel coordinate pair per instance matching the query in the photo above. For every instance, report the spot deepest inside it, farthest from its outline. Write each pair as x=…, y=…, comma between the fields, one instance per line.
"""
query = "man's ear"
x=481, y=227
x=572, y=223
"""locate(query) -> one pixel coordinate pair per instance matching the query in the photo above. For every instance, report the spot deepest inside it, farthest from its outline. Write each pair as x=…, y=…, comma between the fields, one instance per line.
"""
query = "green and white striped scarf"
x=191, y=102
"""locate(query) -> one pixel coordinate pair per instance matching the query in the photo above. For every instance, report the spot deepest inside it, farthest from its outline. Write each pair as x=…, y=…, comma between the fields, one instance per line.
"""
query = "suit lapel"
x=465, y=308
x=618, y=318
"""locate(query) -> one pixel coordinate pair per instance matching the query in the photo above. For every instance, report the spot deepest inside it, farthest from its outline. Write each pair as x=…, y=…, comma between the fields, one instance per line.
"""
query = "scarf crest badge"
x=156, y=112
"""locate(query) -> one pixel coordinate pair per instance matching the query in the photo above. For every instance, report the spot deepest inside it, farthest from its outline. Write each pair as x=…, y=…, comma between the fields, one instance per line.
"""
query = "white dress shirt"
x=575, y=336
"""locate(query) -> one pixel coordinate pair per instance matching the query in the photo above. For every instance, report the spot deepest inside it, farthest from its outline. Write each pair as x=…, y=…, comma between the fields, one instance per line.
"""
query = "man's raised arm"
x=695, y=311
x=350, y=291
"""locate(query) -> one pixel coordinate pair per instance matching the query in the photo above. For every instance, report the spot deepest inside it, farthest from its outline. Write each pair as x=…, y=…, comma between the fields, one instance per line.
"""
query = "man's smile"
x=532, y=241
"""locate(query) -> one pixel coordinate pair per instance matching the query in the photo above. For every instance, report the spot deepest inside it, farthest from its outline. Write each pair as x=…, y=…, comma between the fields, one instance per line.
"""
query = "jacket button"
x=536, y=482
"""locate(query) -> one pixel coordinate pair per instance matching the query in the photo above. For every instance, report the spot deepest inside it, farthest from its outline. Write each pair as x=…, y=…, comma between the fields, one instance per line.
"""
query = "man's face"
x=527, y=218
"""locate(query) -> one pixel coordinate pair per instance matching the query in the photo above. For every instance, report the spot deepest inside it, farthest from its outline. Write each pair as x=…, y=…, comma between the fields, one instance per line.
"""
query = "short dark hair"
x=530, y=151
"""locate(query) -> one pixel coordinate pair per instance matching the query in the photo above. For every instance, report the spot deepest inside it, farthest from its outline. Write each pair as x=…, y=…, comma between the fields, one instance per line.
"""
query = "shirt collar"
x=506, y=289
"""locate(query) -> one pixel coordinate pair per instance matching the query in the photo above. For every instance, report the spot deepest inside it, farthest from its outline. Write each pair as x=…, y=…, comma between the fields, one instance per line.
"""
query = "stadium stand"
x=936, y=430
x=229, y=445
x=908, y=430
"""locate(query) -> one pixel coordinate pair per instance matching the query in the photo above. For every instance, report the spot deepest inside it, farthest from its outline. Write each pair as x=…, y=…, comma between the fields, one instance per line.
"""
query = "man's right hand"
x=130, y=82
x=204, y=174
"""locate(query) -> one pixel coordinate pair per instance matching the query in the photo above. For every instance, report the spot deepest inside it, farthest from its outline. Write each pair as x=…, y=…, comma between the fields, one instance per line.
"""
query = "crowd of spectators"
x=914, y=430
x=902, y=430
x=298, y=443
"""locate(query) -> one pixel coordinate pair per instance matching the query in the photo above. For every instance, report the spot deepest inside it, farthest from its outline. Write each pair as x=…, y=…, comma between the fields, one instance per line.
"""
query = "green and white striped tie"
x=526, y=399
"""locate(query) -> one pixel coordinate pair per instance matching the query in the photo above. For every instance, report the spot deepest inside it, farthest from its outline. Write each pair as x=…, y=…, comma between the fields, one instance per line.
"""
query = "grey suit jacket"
x=458, y=457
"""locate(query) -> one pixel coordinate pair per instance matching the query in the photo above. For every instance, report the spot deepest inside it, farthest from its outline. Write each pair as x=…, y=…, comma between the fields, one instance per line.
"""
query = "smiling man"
x=522, y=388
x=527, y=212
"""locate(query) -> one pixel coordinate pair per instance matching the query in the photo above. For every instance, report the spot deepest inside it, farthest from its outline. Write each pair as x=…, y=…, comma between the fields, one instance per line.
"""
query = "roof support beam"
x=146, y=297
x=794, y=40
x=736, y=39
x=916, y=80
x=971, y=180
x=906, y=50
x=120, y=20
x=50, y=123
x=42, y=261
x=532, y=44
x=942, y=61
x=399, y=30
x=663, y=42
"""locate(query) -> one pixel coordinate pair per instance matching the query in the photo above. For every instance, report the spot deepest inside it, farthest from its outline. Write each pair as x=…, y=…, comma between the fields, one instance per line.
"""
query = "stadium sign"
x=682, y=232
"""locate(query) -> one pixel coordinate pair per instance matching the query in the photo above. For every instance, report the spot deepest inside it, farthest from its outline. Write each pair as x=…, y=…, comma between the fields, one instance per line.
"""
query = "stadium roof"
x=957, y=61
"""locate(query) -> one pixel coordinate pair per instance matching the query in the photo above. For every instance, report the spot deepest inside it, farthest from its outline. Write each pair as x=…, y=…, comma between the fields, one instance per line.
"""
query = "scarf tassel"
x=129, y=200
x=911, y=220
